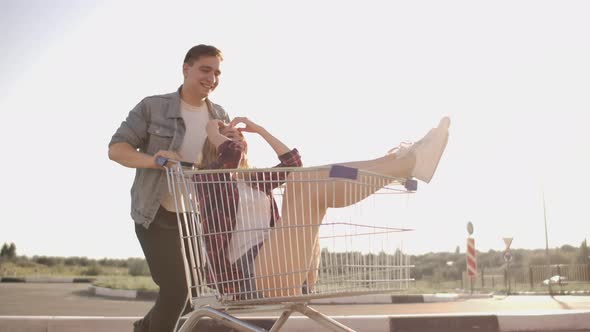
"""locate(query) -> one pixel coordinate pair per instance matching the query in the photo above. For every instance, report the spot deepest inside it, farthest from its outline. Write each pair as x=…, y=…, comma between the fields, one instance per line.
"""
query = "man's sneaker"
x=429, y=150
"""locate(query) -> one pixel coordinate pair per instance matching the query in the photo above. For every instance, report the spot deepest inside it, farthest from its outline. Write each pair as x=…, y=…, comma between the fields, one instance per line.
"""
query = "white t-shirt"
x=195, y=120
x=252, y=221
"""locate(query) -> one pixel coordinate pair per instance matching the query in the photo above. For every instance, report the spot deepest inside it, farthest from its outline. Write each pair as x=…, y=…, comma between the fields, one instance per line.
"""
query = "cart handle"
x=162, y=161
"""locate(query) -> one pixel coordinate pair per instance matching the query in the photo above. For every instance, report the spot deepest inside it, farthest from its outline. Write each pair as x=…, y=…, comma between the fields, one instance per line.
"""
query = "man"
x=171, y=126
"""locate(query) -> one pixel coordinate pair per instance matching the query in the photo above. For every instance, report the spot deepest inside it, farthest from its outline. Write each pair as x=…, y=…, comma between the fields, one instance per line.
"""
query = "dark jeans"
x=161, y=246
x=246, y=264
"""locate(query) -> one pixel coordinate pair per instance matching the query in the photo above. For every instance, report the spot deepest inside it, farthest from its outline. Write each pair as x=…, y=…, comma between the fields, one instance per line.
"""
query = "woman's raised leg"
x=287, y=256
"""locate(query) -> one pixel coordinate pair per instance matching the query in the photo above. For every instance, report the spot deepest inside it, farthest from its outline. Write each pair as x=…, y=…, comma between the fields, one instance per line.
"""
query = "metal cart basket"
x=353, y=250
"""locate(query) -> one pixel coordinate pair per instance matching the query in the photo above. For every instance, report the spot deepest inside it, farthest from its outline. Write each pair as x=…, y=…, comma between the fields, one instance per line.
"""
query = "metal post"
x=559, y=280
x=547, y=245
x=508, y=277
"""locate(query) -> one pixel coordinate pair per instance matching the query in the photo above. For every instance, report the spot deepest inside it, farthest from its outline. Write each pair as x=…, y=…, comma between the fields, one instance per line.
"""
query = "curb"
x=481, y=322
x=361, y=299
x=398, y=299
x=579, y=293
x=576, y=320
x=122, y=293
x=47, y=280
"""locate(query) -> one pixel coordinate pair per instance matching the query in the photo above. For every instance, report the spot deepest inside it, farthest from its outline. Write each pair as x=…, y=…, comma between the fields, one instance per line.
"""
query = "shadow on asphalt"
x=563, y=305
x=83, y=293
x=88, y=293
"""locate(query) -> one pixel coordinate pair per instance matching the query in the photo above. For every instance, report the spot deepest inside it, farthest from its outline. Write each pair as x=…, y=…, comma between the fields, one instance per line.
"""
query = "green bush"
x=139, y=267
x=93, y=270
x=132, y=283
x=45, y=260
x=25, y=262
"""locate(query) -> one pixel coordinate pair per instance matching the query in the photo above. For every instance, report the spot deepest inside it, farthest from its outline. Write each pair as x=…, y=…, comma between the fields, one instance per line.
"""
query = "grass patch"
x=107, y=276
x=32, y=269
x=127, y=283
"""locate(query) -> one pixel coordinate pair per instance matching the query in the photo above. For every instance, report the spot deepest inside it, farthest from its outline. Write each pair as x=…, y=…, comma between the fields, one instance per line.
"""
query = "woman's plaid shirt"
x=218, y=201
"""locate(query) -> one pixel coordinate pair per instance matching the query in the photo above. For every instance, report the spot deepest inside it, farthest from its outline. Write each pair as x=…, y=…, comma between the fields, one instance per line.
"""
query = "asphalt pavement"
x=33, y=302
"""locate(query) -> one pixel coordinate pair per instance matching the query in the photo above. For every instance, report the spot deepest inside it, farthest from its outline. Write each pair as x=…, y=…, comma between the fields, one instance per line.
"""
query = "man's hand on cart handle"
x=164, y=158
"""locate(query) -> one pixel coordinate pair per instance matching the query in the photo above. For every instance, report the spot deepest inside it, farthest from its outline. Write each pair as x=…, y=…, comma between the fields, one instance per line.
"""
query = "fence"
x=572, y=277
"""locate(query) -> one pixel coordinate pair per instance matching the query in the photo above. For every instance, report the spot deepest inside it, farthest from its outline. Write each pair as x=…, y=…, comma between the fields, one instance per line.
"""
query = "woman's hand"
x=213, y=129
x=213, y=126
x=250, y=126
x=279, y=147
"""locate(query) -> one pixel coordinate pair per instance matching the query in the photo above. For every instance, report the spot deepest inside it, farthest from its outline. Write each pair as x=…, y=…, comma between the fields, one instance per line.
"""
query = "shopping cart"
x=353, y=251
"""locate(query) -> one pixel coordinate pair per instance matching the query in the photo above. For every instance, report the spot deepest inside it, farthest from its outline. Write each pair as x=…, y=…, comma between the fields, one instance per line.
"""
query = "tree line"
x=449, y=265
x=8, y=251
x=135, y=266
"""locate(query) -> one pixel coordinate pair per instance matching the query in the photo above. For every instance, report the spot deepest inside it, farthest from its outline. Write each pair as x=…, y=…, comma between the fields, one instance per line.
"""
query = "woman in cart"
x=253, y=250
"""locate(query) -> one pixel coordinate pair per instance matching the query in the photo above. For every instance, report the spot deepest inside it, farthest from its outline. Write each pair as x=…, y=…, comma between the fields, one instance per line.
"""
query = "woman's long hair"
x=209, y=155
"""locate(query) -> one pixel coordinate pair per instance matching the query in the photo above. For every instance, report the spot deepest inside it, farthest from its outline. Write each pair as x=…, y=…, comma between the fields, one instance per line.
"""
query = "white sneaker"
x=401, y=150
x=429, y=150
x=443, y=124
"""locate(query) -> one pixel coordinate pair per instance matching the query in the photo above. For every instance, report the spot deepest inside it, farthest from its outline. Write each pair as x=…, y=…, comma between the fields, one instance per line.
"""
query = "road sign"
x=471, y=259
x=507, y=256
x=470, y=228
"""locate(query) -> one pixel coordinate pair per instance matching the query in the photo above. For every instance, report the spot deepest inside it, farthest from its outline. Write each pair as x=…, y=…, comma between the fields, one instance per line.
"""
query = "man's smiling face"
x=202, y=76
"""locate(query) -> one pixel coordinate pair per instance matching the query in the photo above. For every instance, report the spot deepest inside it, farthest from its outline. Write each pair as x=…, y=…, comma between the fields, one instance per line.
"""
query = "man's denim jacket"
x=155, y=124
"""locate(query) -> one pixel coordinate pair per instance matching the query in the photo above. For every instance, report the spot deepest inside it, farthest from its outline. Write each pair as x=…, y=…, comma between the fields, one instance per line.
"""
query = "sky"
x=339, y=80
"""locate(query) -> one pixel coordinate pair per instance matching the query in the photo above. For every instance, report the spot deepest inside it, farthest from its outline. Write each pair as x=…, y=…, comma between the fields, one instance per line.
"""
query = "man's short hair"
x=201, y=50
